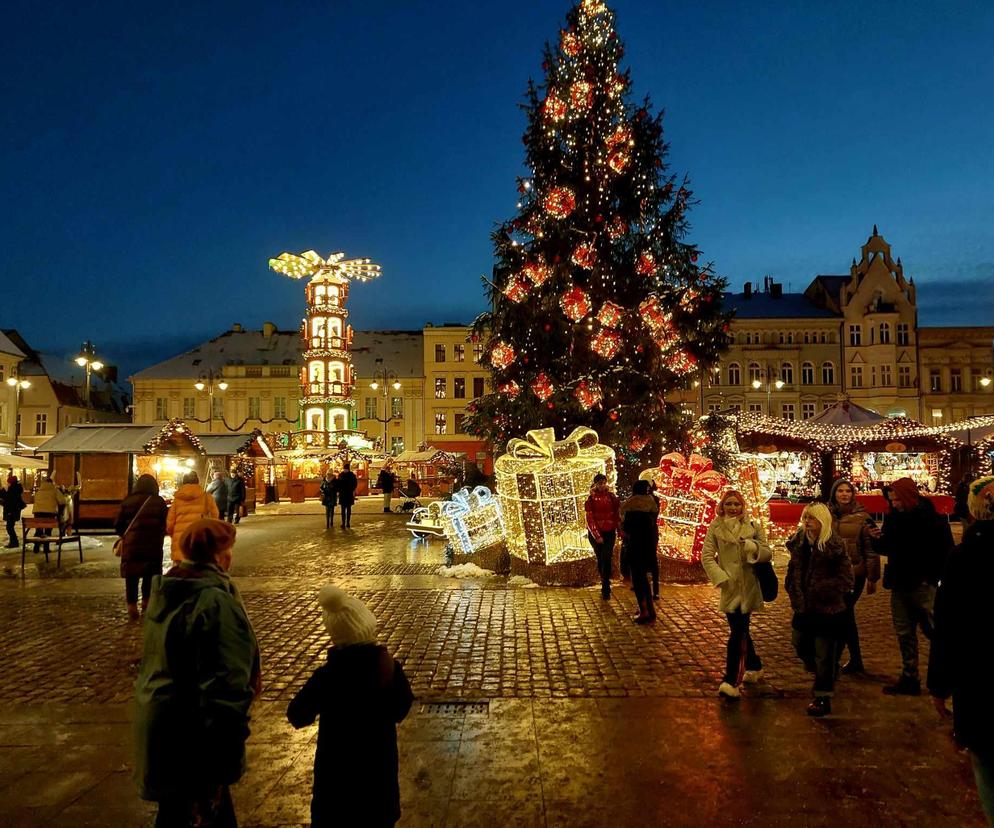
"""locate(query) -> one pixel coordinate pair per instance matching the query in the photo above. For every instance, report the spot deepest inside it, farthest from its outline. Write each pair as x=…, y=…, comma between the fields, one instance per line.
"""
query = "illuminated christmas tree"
x=600, y=309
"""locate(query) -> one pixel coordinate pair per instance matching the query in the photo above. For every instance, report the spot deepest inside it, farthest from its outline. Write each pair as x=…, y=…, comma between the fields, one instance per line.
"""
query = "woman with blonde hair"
x=733, y=545
x=819, y=579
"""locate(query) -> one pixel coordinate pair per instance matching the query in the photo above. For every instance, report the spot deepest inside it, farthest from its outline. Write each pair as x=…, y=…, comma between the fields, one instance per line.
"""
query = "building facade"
x=10, y=393
x=793, y=354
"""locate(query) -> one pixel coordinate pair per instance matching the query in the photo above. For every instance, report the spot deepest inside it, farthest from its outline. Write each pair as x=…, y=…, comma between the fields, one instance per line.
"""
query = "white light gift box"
x=472, y=520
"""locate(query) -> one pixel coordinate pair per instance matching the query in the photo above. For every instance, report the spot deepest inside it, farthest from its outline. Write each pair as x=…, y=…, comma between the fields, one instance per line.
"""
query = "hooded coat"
x=190, y=504
x=851, y=524
x=818, y=580
x=728, y=555
x=13, y=500
x=916, y=543
x=141, y=523
x=218, y=489
x=347, y=484
x=48, y=499
x=639, y=518
x=360, y=694
x=200, y=662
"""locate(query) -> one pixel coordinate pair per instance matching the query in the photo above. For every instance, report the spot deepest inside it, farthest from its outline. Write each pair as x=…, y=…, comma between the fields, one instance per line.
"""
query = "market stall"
x=895, y=448
x=436, y=470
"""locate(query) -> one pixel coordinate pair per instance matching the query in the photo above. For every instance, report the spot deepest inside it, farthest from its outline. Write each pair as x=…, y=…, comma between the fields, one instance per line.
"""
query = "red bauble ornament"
x=575, y=304
x=613, y=415
x=542, y=387
x=550, y=405
x=617, y=228
x=547, y=327
x=693, y=257
x=585, y=256
x=598, y=219
x=559, y=202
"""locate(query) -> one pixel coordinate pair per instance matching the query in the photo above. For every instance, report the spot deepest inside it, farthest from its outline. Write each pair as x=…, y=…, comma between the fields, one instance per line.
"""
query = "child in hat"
x=360, y=693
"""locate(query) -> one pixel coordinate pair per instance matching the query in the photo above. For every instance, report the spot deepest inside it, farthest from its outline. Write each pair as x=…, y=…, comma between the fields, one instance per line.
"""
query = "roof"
x=845, y=412
x=833, y=284
x=120, y=438
x=8, y=347
x=230, y=348
x=223, y=445
x=422, y=456
x=766, y=306
x=401, y=351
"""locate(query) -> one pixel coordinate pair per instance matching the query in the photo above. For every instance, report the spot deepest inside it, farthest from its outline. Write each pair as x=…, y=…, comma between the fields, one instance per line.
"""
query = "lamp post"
x=209, y=382
x=87, y=360
x=18, y=385
x=385, y=379
x=777, y=383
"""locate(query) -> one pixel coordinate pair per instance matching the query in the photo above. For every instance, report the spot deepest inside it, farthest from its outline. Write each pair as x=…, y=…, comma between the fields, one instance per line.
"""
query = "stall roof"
x=217, y=445
x=16, y=461
x=845, y=412
x=120, y=438
x=426, y=456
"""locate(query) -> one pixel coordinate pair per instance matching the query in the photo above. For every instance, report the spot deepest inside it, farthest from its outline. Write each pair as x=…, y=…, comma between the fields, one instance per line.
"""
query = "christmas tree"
x=600, y=309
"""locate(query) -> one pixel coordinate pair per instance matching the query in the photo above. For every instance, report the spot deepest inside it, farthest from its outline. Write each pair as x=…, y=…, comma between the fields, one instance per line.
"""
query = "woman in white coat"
x=733, y=543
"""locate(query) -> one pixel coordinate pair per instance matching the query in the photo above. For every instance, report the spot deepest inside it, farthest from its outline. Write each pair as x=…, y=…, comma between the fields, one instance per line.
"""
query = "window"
x=369, y=410
x=439, y=353
x=457, y=425
x=823, y=337
x=886, y=375
x=458, y=353
x=904, y=376
x=855, y=376
x=477, y=351
x=807, y=411
x=217, y=408
x=189, y=407
x=279, y=371
x=755, y=408
x=790, y=337
x=396, y=445
x=955, y=379
x=855, y=335
x=478, y=387
x=826, y=405
x=903, y=337
x=254, y=408
x=827, y=373
x=41, y=424
x=782, y=338
x=440, y=388
x=279, y=408
x=712, y=407
x=440, y=422
x=934, y=379
x=161, y=409
x=459, y=388
x=735, y=407
x=808, y=373
x=885, y=333
x=787, y=373
x=3, y=416
x=807, y=337
x=253, y=370
x=396, y=406
x=755, y=372
x=716, y=375
x=787, y=411
x=734, y=374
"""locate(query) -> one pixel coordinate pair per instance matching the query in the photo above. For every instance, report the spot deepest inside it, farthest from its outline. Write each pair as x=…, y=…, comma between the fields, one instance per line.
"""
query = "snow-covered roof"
x=401, y=351
x=8, y=347
x=230, y=348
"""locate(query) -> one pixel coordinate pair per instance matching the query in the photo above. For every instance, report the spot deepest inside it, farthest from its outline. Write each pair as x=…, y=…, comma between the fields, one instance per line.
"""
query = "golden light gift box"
x=543, y=484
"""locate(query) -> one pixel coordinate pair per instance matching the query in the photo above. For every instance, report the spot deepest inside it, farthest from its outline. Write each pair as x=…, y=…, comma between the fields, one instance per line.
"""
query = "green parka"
x=195, y=685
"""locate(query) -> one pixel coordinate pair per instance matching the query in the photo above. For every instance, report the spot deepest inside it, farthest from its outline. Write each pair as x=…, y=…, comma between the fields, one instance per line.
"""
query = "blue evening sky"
x=155, y=155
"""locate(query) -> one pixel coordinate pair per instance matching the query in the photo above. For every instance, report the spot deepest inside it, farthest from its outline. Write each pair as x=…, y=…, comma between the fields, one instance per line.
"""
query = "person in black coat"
x=360, y=695
x=347, y=484
x=141, y=524
x=218, y=489
x=639, y=515
x=386, y=480
x=13, y=505
x=329, y=498
x=957, y=666
x=236, y=497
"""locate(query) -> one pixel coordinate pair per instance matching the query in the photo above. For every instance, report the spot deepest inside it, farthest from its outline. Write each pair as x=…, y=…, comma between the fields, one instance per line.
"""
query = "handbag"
x=119, y=543
x=769, y=586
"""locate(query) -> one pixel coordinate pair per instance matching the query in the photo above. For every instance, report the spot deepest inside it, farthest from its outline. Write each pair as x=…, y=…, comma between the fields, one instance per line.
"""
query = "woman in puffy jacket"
x=141, y=525
x=732, y=545
x=190, y=504
x=851, y=522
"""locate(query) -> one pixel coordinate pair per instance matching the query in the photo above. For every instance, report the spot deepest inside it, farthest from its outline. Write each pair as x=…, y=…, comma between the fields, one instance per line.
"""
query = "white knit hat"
x=347, y=619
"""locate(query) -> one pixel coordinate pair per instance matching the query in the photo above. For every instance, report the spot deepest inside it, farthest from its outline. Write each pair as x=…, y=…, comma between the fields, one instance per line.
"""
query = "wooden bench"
x=47, y=523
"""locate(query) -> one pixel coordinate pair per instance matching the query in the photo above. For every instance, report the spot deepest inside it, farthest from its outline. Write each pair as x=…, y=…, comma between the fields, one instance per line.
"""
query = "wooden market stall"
x=436, y=470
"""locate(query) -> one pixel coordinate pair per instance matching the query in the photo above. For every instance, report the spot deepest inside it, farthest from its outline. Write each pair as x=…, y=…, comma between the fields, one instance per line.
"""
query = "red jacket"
x=602, y=510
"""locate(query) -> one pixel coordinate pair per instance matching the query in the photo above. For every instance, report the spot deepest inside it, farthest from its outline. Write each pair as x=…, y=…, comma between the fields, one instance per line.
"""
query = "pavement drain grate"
x=473, y=708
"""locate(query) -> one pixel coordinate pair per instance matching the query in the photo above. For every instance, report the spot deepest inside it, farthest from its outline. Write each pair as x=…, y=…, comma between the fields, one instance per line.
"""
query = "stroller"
x=411, y=492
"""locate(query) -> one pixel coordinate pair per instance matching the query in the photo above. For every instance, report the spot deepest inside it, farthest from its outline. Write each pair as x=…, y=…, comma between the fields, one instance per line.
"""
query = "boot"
x=821, y=706
x=643, y=616
x=133, y=611
x=904, y=687
x=144, y=605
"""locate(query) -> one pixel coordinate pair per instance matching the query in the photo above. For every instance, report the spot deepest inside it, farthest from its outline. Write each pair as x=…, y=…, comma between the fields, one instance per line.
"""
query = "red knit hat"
x=907, y=491
x=205, y=539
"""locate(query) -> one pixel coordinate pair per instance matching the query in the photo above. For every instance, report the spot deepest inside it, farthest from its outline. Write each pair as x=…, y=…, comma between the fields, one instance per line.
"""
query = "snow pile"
x=521, y=581
x=89, y=542
x=466, y=570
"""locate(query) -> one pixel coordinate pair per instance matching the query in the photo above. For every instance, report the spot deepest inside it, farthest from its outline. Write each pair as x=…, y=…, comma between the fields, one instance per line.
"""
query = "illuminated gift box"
x=472, y=520
x=689, y=490
x=543, y=484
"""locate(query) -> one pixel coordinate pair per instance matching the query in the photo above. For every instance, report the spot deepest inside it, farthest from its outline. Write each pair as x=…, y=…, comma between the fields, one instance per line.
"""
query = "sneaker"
x=821, y=706
x=853, y=668
x=904, y=687
x=752, y=676
x=728, y=691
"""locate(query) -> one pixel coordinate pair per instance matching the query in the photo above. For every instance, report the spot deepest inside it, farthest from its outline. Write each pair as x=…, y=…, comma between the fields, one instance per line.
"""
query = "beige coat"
x=726, y=558
x=49, y=499
x=190, y=504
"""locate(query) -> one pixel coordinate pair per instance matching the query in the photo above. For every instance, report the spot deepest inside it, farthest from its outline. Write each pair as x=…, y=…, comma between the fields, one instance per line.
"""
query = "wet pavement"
x=536, y=706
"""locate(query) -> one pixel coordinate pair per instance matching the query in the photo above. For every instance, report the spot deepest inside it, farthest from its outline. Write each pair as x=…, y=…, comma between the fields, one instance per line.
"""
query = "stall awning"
x=223, y=445
x=15, y=461
x=125, y=438
x=428, y=456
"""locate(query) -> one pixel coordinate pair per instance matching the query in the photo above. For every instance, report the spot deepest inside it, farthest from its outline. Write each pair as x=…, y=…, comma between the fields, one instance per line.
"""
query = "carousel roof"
x=846, y=412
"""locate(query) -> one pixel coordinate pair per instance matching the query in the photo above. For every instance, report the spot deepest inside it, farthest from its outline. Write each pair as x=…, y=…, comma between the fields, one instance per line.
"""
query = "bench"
x=47, y=524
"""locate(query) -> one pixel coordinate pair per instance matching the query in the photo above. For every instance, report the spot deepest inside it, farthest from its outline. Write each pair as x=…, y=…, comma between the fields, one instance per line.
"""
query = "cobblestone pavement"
x=592, y=720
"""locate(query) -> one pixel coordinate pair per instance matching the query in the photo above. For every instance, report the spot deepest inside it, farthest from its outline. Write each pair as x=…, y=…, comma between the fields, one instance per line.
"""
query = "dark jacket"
x=818, y=580
x=851, y=523
x=236, y=491
x=329, y=492
x=142, y=543
x=13, y=501
x=385, y=480
x=199, y=664
x=347, y=483
x=916, y=543
x=360, y=694
x=956, y=665
x=639, y=516
x=218, y=489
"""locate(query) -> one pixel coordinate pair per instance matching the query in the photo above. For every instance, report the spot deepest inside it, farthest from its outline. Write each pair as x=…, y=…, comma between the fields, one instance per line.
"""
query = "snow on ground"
x=521, y=581
x=466, y=570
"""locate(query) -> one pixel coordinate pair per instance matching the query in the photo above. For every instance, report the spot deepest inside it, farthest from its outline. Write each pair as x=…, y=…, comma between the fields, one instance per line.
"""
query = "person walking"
x=236, y=496
x=639, y=516
x=962, y=623
x=385, y=482
x=347, y=484
x=190, y=504
x=819, y=576
x=916, y=542
x=851, y=522
x=199, y=674
x=603, y=518
x=141, y=525
x=733, y=544
x=50, y=502
x=218, y=489
x=13, y=505
x=359, y=694
x=329, y=497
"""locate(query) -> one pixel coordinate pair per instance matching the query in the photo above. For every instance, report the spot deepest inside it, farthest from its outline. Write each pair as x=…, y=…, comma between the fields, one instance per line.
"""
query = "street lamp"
x=385, y=379
x=209, y=382
x=777, y=383
x=18, y=385
x=87, y=359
